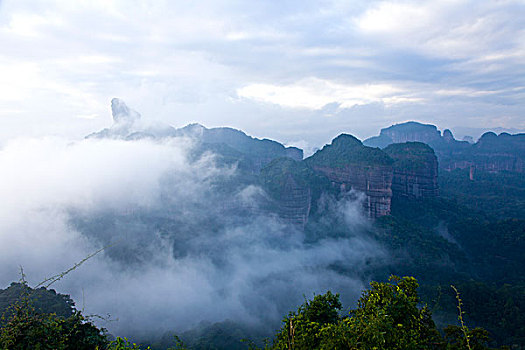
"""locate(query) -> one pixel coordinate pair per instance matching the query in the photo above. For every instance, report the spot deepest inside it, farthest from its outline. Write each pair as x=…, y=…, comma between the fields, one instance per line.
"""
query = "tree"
x=387, y=317
x=302, y=329
x=27, y=329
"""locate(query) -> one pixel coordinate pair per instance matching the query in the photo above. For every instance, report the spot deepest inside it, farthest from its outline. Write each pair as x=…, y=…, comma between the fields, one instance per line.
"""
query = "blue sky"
x=300, y=72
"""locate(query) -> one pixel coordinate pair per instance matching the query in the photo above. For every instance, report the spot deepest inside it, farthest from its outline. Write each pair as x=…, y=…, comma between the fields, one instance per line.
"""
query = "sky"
x=300, y=72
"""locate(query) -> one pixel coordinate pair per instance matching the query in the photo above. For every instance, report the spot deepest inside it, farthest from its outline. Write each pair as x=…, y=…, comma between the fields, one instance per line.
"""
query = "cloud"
x=316, y=93
x=192, y=242
x=449, y=29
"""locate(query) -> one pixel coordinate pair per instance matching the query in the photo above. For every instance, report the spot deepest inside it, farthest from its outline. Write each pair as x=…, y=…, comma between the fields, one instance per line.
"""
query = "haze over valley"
x=251, y=170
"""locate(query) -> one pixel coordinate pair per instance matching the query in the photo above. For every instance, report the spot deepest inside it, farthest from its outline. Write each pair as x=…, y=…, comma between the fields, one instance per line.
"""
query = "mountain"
x=406, y=166
x=415, y=169
x=494, y=153
x=230, y=143
x=295, y=185
x=350, y=165
x=255, y=151
x=294, y=188
x=405, y=132
x=417, y=132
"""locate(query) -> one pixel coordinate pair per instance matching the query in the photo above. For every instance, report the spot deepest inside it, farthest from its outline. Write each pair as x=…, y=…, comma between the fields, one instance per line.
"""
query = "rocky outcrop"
x=295, y=202
x=350, y=165
x=415, y=170
x=405, y=132
x=292, y=186
x=412, y=131
x=374, y=181
x=127, y=125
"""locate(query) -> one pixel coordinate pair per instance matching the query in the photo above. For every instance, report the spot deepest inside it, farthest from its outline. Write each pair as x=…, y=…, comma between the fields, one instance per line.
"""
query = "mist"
x=186, y=241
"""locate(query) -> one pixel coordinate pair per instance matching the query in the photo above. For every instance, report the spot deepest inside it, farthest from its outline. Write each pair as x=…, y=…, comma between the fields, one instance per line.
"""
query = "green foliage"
x=496, y=248
x=124, y=344
x=303, y=329
x=498, y=309
x=500, y=195
x=411, y=156
x=41, y=299
x=459, y=338
x=387, y=317
x=227, y=334
x=347, y=150
x=26, y=329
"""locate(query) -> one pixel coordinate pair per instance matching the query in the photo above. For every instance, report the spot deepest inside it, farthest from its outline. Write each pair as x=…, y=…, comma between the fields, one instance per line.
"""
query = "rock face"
x=350, y=165
x=405, y=132
x=127, y=125
x=375, y=182
x=415, y=170
x=122, y=114
x=412, y=131
x=291, y=185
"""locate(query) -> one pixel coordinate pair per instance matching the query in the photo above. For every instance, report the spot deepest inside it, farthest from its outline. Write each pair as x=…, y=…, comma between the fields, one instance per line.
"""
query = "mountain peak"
x=122, y=114
x=346, y=140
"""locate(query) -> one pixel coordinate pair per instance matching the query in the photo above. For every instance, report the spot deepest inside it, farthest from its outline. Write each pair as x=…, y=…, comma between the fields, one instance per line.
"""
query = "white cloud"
x=394, y=17
x=313, y=93
x=446, y=29
x=30, y=24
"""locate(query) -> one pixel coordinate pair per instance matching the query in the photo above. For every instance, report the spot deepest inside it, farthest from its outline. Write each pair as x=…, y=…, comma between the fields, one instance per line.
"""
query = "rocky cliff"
x=415, y=170
x=291, y=185
x=350, y=165
x=405, y=132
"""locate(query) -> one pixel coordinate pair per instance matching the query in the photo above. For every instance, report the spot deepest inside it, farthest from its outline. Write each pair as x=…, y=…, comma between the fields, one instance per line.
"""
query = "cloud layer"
x=189, y=243
x=268, y=69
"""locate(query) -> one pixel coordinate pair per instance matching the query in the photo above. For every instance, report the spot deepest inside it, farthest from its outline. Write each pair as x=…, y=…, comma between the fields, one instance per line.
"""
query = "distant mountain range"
x=403, y=160
x=503, y=152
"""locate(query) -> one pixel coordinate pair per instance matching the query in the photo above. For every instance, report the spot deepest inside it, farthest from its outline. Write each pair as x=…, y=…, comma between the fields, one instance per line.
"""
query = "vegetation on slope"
x=410, y=156
x=346, y=149
x=388, y=316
